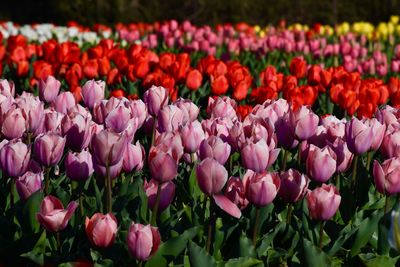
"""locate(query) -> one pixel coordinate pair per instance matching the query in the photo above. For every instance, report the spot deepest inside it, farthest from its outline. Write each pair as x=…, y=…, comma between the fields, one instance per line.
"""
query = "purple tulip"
x=222, y=108
x=294, y=186
x=170, y=118
x=163, y=167
x=108, y=147
x=192, y=135
x=14, y=124
x=49, y=89
x=155, y=98
x=64, y=102
x=76, y=129
x=118, y=119
x=14, y=158
x=261, y=188
x=166, y=197
x=93, y=92
x=359, y=136
x=32, y=109
x=7, y=88
x=303, y=122
x=255, y=156
x=387, y=176
x=214, y=147
x=236, y=192
x=143, y=241
x=28, y=184
x=321, y=163
x=79, y=166
x=133, y=157
x=49, y=148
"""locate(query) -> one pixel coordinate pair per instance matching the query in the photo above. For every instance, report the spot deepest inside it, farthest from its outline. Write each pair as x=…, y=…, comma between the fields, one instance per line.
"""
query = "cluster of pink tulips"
x=225, y=162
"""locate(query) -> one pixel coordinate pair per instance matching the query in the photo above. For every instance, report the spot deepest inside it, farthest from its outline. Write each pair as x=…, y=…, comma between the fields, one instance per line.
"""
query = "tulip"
x=52, y=215
x=77, y=130
x=32, y=110
x=323, y=202
x=133, y=157
x=222, y=108
x=261, y=188
x=387, y=176
x=155, y=98
x=101, y=229
x=79, y=166
x=93, y=92
x=303, y=122
x=7, y=88
x=28, y=184
x=138, y=111
x=255, y=156
x=298, y=67
x=394, y=232
x=193, y=80
x=170, y=143
x=163, y=167
x=321, y=163
x=293, y=186
x=49, y=148
x=192, y=135
x=49, y=88
x=170, y=118
x=189, y=108
x=119, y=119
x=359, y=136
x=211, y=176
x=235, y=191
x=108, y=147
x=14, y=158
x=167, y=194
x=64, y=102
x=143, y=241
x=391, y=141
x=13, y=125
x=114, y=170
x=344, y=157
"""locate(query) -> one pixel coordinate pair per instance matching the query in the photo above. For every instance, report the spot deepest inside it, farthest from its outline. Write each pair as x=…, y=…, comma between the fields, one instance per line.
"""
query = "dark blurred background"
x=260, y=12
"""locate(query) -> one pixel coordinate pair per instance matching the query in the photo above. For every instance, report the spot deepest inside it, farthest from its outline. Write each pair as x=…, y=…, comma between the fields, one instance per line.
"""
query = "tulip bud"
x=79, y=166
x=52, y=215
x=387, y=176
x=166, y=197
x=163, y=167
x=293, y=186
x=133, y=157
x=192, y=135
x=255, y=156
x=359, y=136
x=211, y=176
x=303, y=122
x=155, y=99
x=49, y=148
x=28, y=184
x=193, y=80
x=323, y=202
x=101, y=229
x=13, y=125
x=64, y=102
x=108, y=147
x=261, y=188
x=93, y=92
x=49, y=88
x=321, y=163
x=143, y=241
x=14, y=158
x=7, y=88
x=235, y=191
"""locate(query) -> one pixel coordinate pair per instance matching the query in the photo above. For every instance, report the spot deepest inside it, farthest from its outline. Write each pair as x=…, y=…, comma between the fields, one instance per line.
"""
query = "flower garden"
x=170, y=144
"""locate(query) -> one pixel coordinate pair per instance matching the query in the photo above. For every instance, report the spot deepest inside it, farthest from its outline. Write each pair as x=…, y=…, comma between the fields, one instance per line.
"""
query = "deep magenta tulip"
x=166, y=197
x=294, y=185
x=143, y=241
x=101, y=229
x=49, y=148
x=52, y=214
x=323, y=202
x=79, y=166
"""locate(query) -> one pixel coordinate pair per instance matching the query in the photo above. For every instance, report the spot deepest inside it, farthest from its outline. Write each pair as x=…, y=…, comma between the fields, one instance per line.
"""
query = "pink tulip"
x=52, y=215
x=14, y=158
x=7, y=88
x=236, y=193
x=133, y=157
x=261, y=188
x=294, y=186
x=108, y=147
x=222, y=108
x=321, y=163
x=14, y=124
x=166, y=197
x=214, y=147
x=119, y=119
x=77, y=130
x=343, y=155
x=387, y=176
x=139, y=111
x=192, y=135
x=303, y=122
x=170, y=118
x=79, y=166
x=49, y=148
x=64, y=102
x=379, y=132
x=101, y=229
x=390, y=146
x=285, y=134
x=186, y=105
x=52, y=121
x=114, y=170
x=143, y=241
x=32, y=110
x=93, y=92
x=28, y=184
x=323, y=202
x=359, y=136
x=49, y=89
x=163, y=167
x=155, y=98
x=170, y=143
x=255, y=156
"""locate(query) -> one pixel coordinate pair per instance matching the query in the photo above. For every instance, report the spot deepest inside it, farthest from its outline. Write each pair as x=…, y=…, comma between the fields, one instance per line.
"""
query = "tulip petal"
x=227, y=205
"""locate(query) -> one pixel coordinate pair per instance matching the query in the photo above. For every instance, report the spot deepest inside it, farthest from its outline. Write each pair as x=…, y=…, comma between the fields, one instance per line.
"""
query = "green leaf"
x=199, y=257
x=377, y=261
x=344, y=235
x=246, y=248
x=173, y=247
x=37, y=253
x=367, y=227
x=29, y=211
x=314, y=256
x=242, y=262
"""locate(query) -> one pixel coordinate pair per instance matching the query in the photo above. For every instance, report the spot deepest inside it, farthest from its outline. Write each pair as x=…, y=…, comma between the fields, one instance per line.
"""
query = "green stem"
x=140, y=264
x=255, y=228
x=321, y=234
x=58, y=242
x=285, y=158
x=211, y=225
x=156, y=205
x=153, y=135
x=108, y=190
x=386, y=203
x=354, y=172
x=11, y=188
x=289, y=214
x=47, y=181
x=369, y=158
x=337, y=182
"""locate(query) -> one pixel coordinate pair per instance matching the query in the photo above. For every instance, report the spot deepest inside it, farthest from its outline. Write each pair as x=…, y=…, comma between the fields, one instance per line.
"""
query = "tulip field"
x=170, y=144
